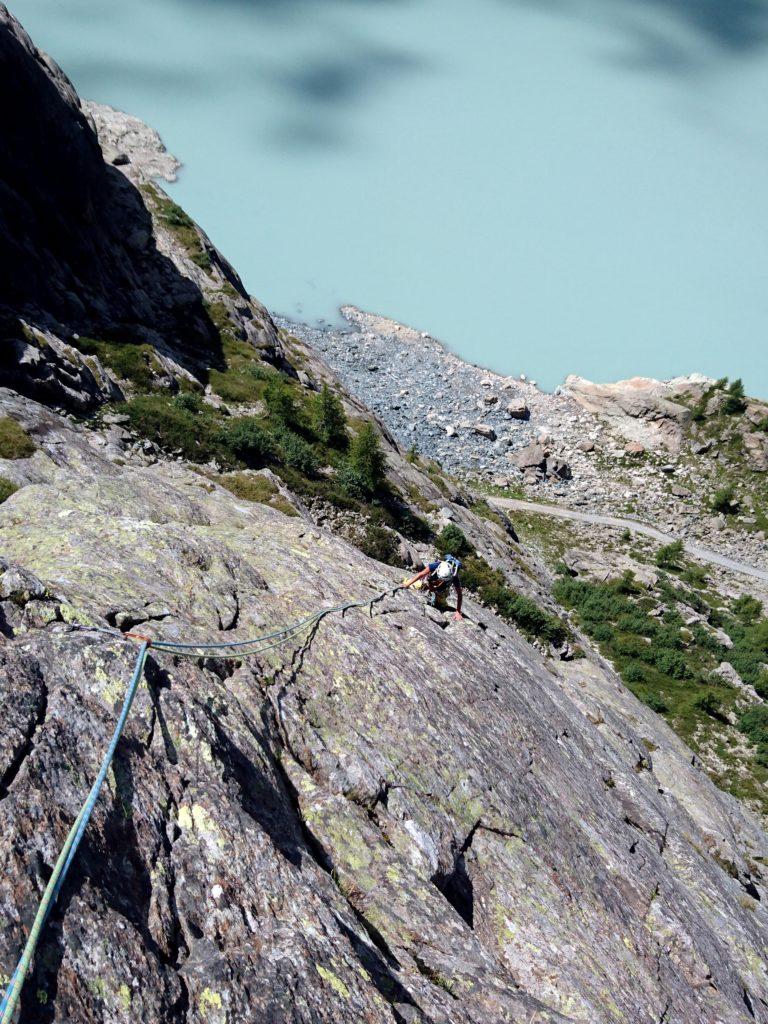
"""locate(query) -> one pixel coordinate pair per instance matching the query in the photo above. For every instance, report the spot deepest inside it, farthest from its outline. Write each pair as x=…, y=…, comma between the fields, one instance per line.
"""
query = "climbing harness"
x=239, y=649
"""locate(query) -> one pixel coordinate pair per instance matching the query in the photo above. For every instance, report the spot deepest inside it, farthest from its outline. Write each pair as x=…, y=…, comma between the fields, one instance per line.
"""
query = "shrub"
x=747, y=608
x=671, y=663
x=280, y=402
x=243, y=384
x=330, y=423
x=162, y=421
x=723, y=501
x=710, y=705
x=297, y=453
x=189, y=401
x=15, y=442
x=668, y=557
x=381, y=544
x=352, y=483
x=367, y=459
x=633, y=672
x=655, y=703
x=7, y=488
x=243, y=439
x=532, y=619
x=754, y=724
x=451, y=541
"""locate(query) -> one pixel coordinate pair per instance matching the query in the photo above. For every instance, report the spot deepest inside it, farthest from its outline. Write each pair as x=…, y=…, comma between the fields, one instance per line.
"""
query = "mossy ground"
x=15, y=442
x=180, y=224
x=130, y=361
x=7, y=488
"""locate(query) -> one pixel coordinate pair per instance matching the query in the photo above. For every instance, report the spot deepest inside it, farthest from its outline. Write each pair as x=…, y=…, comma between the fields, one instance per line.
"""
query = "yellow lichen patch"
x=208, y=1000
x=197, y=819
x=124, y=995
x=335, y=982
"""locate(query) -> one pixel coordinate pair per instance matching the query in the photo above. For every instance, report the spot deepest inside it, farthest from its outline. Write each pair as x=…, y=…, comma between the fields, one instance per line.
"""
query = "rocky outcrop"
x=640, y=409
x=84, y=245
x=473, y=834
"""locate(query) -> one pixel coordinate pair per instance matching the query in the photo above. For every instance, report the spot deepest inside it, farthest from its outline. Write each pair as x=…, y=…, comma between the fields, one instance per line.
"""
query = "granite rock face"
x=393, y=818
x=83, y=246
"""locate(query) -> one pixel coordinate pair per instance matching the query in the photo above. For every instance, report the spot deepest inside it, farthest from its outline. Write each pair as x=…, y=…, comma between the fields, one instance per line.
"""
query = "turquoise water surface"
x=550, y=187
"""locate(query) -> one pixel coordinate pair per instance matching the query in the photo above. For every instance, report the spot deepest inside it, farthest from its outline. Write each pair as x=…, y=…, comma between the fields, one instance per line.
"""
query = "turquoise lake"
x=553, y=187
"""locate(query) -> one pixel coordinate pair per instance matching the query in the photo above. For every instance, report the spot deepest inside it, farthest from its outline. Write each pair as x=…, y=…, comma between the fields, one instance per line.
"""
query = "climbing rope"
x=241, y=649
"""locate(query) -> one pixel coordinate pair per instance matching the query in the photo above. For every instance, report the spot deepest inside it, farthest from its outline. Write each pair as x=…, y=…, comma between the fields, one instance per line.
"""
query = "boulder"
x=533, y=456
x=586, y=446
x=518, y=410
x=484, y=430
x=634, y=448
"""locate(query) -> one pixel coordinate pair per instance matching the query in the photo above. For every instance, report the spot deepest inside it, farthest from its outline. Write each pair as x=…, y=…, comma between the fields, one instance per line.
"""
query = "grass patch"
x=181, y=225
x=7, y=488
x=129, y=360
x=257, y=489
x=15, y=442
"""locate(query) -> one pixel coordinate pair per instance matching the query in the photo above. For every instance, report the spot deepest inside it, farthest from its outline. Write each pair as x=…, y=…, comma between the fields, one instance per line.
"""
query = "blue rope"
x=69, y=850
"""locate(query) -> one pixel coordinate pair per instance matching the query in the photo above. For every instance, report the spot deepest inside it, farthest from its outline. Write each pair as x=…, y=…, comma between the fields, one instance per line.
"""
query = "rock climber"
x=437, y=578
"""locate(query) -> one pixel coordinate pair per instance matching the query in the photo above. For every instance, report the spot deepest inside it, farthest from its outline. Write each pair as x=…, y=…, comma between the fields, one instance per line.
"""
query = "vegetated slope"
x=394, y=818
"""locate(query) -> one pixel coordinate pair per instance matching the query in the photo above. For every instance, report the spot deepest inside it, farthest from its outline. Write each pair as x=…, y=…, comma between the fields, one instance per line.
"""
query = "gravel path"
x=703, y=554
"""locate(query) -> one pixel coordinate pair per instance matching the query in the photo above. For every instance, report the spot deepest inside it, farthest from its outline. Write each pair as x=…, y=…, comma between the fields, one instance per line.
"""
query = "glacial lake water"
x=549, y=186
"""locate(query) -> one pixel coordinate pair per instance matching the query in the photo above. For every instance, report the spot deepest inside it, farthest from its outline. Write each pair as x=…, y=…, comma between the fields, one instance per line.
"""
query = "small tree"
x=735, y=402
x=280, y=402
x=366, y=459
x=668, y=557
x=330, y=421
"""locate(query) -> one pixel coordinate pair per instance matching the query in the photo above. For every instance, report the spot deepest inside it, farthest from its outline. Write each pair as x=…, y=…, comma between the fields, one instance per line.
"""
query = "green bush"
x=668, y=557
x=244, y=440
x=656, y=703
x=722, y=501
x=633, y=672
x=352, y=483
x=451, y=541
x=7, y=488
x=367, y=460
x=15, y=442
x=381, y=544
x=747, y=608
x=158, y=418
x=297, y=453
x=329, y=420
x=280, y=402
x=189, y=401
x=710, y=705
x=754, y=724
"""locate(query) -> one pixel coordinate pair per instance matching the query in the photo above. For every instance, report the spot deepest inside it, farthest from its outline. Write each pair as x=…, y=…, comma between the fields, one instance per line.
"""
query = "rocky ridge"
x=396, y=818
